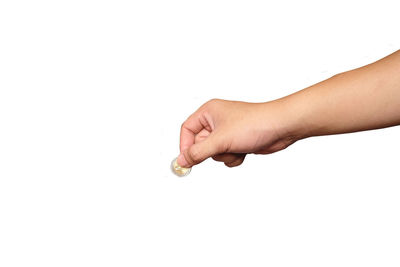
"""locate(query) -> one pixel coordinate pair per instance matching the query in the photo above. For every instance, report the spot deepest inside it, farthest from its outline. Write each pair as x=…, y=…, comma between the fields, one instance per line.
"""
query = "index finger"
x=189, y=129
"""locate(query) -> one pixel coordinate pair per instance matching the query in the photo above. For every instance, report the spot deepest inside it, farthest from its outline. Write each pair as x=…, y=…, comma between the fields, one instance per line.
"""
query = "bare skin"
x=362, y=99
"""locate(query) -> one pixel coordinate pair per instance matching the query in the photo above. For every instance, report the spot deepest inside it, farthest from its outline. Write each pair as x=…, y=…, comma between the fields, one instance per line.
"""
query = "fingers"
x=203, y=134
x=230, y=159
x=226, y=157
x=192, y=127
x=198, y=152
x=199, y=139
x=189, y=129
x=235, y=163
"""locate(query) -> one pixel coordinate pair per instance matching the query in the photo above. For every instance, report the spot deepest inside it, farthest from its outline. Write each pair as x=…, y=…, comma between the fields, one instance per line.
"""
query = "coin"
x=178, y=170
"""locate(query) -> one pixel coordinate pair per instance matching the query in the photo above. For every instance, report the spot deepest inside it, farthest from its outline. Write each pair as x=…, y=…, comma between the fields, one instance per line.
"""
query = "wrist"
x=292, y=119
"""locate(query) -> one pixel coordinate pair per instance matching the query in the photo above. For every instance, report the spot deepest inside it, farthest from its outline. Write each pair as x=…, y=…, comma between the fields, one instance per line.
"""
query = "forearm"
x=361, y=99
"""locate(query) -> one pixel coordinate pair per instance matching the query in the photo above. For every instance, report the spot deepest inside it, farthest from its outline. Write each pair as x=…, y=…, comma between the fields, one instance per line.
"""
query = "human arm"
x=361, y=99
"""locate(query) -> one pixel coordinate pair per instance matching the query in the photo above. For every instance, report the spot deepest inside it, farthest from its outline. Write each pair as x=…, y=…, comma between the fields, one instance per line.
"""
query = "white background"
x=92, y=96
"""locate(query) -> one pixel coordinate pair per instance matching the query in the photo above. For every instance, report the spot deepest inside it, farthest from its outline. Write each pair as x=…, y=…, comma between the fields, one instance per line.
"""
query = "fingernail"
x=182, y=161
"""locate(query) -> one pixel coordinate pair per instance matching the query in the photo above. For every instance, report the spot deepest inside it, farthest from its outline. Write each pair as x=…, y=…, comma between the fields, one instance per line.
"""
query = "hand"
x=228, y=130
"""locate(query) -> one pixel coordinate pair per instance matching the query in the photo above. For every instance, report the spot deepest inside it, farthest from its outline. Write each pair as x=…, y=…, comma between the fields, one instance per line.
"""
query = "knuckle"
x=230, y=165
x=214, y=102
x=235, y=163
x=183, y=125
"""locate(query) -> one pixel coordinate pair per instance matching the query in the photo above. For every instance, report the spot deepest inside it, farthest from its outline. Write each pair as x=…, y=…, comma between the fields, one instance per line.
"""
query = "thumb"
x=198, y=152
